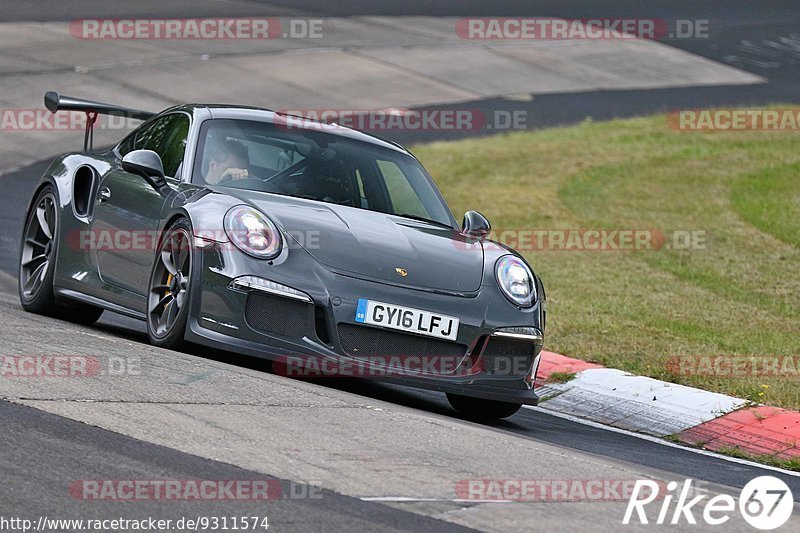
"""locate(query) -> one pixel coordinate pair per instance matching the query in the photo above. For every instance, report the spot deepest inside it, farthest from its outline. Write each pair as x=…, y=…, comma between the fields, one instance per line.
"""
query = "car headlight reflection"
x=516, y=280
x=252, y=232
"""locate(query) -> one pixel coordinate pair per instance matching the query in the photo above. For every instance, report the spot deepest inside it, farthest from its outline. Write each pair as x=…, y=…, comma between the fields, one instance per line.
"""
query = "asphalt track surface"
x=68, y=450
x=759, y=37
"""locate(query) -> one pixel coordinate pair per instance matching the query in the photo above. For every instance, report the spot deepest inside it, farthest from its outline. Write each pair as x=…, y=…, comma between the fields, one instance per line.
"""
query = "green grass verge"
x=735, y=451
x=561, y=377
x=786, y=464
x=635, y=310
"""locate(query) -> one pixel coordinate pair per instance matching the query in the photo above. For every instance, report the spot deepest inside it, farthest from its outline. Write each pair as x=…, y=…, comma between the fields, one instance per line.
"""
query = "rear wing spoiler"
x=54, y=102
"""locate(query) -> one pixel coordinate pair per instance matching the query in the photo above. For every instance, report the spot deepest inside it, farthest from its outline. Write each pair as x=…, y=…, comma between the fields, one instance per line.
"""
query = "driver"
x=228, y=160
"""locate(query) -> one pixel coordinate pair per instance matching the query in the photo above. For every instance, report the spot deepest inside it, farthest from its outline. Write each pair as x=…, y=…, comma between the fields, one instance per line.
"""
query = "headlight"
x=516, y=280
x=252, y=232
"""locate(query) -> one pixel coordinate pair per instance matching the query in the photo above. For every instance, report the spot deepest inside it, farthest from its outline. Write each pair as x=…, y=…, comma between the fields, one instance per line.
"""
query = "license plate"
x=407, y=319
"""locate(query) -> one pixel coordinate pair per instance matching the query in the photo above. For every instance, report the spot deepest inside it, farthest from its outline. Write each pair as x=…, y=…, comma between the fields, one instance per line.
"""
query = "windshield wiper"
x=423, y=219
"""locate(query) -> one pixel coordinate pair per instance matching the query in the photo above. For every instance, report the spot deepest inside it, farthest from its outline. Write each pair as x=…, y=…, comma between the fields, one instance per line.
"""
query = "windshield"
x=316, y=165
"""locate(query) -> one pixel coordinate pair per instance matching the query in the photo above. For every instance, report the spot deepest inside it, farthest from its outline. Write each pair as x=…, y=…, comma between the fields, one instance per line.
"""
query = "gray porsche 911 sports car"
x=321, y=248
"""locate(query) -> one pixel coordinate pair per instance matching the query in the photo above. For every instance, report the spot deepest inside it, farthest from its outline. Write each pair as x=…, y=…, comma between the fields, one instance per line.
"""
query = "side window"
x=404, y=199
x=127, y=144
x=166, y=137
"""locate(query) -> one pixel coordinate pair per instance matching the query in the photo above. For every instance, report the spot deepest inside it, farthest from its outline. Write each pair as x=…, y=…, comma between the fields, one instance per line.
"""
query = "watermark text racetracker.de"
x=548, y=28
x=401, y=119
x=548, y=490
x=593, y=239
x=379, y=366
x=40, y=119
x=68, y=366
x=147, y=241
x=758, y=119
x=176, y=490
x=225, y=28
x=735, y=366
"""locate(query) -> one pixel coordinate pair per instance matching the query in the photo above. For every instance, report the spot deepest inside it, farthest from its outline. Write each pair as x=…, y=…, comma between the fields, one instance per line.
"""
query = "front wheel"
x=480, y=408
x=38, y=252
x=170, y=283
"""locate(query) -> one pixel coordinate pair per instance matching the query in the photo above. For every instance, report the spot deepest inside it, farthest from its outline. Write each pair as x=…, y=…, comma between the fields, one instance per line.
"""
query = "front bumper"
x=305, y=312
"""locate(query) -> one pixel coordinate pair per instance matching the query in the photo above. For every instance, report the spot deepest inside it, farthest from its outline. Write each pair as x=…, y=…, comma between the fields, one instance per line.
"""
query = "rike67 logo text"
x=766, y=503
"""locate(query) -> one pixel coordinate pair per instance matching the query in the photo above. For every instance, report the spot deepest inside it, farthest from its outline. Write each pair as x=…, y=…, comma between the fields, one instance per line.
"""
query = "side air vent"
x=82, y=187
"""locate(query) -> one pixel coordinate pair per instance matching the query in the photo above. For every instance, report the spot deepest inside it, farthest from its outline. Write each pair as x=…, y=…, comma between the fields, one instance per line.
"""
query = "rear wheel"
x=38, y=252
x=480, y=408
x=170, y=282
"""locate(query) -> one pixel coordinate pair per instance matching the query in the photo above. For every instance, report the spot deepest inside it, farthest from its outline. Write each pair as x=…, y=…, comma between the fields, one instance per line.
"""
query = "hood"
x=373, y=245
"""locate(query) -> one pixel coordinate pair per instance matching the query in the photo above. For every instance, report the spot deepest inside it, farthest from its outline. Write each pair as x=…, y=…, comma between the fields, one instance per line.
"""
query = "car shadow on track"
x=432, y=402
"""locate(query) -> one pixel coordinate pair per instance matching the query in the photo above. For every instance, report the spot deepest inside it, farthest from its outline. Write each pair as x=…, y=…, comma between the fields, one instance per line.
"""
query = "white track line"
x=661, y=441
x=401, y=499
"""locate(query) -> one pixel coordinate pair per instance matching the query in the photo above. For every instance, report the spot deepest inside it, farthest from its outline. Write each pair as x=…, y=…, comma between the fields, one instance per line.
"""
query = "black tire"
x=482, y=409
x=37, y=257
x=169, y=287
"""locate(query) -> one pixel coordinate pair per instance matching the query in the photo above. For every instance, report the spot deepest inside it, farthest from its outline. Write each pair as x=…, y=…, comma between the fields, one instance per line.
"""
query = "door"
x=128, y=210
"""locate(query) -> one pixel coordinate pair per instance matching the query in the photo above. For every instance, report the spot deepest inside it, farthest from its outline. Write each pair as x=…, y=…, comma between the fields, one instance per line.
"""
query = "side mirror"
x=476, y=225
x=147, y=164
